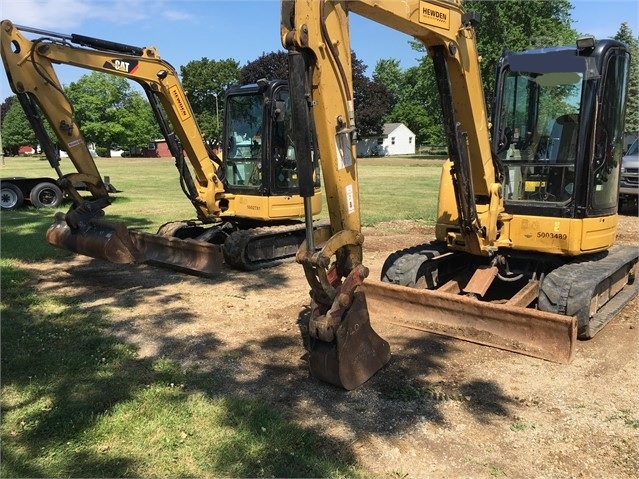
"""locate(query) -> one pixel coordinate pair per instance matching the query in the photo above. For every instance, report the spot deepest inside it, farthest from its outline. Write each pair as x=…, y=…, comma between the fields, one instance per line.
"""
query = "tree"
x=272, y=66
x=371, y=99
x=416, y=118
x=388, y=72
x=632, y=109
x=110, y=113
x=517, y=25
x=16, y=129
x=418, y=105
x=205, y=82
x=4, y=107
x=138, y=121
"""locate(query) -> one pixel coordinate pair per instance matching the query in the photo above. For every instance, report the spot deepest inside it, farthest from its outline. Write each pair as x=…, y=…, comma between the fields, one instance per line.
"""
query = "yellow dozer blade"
x=505, y=326
x=113, y=242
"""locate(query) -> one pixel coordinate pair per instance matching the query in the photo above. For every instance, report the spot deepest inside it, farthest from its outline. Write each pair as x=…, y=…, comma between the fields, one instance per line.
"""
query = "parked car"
x=629, y=183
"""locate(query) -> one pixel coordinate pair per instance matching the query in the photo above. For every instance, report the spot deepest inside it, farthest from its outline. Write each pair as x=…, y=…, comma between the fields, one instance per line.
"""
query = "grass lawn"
x=398, y=189
x=77, y=402
x=390, y=189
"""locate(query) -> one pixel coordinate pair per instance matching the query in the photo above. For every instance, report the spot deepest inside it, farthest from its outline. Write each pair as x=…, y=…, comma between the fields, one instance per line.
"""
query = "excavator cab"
x=258, y=152
x=558, y=116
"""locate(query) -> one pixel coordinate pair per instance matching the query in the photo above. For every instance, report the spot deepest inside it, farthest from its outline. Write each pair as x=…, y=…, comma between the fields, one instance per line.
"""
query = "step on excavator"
x=524, y=255
x=246, y=197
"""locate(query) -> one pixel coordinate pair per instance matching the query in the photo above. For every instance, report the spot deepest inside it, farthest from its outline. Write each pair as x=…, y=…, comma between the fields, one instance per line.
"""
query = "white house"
x=396, y=139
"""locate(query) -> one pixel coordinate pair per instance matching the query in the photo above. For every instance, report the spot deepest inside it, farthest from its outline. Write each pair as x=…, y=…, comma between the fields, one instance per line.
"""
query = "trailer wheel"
x=46, y=195
x=10, y=196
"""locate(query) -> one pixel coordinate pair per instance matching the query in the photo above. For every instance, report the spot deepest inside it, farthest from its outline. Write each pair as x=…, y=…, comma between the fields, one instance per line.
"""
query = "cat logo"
x=124, y=66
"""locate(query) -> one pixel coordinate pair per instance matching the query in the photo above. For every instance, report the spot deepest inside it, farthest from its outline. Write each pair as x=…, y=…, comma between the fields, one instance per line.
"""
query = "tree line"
x=111, y=113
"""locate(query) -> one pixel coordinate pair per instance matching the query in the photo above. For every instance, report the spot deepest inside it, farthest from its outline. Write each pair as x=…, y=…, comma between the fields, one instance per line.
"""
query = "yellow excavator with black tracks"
x=246, y=197
x=523, y=257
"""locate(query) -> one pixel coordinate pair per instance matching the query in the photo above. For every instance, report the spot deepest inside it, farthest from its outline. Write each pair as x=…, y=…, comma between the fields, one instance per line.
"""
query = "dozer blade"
x=356, y=353
x=113, y=242
x=191, y=256
x=513, y=328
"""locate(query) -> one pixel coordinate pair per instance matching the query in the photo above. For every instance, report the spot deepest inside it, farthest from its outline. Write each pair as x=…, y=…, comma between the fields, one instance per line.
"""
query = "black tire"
x=11, y=197
x=46, y=195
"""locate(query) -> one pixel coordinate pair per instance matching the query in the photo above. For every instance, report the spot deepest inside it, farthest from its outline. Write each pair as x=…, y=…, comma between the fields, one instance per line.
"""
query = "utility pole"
x=1, y=149
x=217, y=115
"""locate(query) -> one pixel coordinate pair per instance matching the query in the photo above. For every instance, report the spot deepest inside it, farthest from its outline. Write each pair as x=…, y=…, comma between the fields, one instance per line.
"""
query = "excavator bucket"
x=113, y=242
x=356, y=353
x=102, y=240
x=505, y=326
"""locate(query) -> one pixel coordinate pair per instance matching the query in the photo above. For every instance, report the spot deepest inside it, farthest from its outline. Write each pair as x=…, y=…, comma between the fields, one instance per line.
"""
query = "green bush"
x=101, y=152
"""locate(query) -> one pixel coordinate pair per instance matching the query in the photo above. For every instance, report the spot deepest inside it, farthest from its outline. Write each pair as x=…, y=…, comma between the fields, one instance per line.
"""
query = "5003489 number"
x=559, y=236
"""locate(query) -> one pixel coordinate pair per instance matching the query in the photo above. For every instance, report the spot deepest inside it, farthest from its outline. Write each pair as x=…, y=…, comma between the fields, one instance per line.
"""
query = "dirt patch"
x=440, y=408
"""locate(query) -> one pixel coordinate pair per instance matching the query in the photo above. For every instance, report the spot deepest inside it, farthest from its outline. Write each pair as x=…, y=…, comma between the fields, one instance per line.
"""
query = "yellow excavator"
x=246, y=199
x=523, y=256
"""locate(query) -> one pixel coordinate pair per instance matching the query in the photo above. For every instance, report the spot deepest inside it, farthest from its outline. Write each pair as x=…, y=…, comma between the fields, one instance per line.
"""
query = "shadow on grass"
x=77, y=402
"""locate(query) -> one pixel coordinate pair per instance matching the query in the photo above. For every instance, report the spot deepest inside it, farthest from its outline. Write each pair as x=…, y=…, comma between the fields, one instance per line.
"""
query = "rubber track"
x=402, y=267
x=236, y=246
x=569, y=289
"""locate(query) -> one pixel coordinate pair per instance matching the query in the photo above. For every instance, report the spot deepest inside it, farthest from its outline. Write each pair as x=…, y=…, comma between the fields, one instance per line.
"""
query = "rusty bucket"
x=102, y=240
x=356, y=353
x=113, y=242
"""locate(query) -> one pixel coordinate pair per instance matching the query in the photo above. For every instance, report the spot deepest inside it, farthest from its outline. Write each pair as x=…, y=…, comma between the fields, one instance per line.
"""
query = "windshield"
x=243, y=154
x=539, y=120
x=634, y=149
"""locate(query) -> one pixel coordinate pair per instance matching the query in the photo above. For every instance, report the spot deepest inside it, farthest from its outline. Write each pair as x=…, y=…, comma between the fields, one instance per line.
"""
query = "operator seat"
x=562, y=155
x=564, y=139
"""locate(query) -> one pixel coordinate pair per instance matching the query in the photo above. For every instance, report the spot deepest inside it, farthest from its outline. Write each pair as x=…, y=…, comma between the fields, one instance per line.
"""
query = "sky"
x=243, y=30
